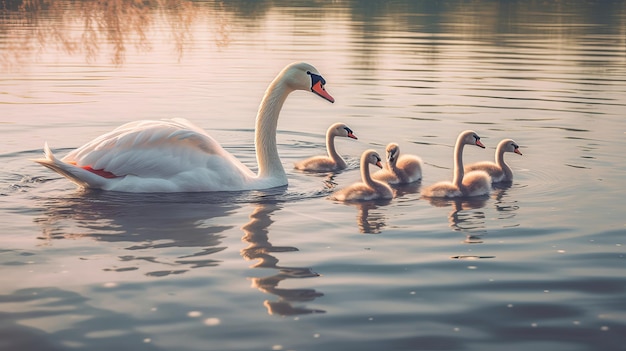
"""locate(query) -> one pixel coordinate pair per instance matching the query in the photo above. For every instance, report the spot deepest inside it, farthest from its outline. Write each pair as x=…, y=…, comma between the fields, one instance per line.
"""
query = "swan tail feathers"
x=78, y=175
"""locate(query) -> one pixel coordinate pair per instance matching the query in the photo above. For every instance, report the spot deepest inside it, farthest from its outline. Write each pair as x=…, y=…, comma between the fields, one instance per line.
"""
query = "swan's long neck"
x=508, y=173
x=265, y=131
x=365, y=172
x=330, y=148
x=458, y=164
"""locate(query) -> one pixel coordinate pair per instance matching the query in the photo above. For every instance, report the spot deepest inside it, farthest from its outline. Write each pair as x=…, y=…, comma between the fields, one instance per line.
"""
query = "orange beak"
x=350, y=135
x=379, y=164
x=518, y=152
x=478, y=143
x=318, y=89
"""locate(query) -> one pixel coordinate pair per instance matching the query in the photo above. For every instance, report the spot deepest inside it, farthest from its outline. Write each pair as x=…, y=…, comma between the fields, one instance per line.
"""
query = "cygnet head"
x=342, y=130
x=393, y=152
x=509, y=145
x=372, y=157
x=469, y=137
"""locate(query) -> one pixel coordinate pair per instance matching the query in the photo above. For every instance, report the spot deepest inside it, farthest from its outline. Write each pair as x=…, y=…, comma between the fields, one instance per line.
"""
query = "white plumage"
x=177, y=156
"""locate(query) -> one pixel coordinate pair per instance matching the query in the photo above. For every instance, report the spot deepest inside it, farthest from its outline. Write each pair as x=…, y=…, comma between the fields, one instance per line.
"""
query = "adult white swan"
x=177, y=156
x=474, y=183
x=399, y=169
x=332, y=162
x=368, y=188
x=500, y=170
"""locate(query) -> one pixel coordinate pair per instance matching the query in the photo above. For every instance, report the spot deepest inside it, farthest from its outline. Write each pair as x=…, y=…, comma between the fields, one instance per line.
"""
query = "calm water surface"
x=537, y=265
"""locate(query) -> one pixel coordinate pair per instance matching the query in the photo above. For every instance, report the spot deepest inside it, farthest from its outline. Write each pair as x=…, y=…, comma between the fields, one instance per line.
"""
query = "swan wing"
x=494, y=171
x=442, y=189
x=411, y=168
x=354, y=192
x=476, y=183
x=317, y=164
x=385, y=175
x=159, y=150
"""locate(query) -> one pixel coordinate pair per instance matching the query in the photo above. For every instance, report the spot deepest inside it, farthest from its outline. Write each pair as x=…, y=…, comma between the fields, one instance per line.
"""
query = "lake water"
x=540, y=264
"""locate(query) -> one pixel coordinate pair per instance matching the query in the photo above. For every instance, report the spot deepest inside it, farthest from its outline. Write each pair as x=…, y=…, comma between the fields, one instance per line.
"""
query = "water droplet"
x=110, y=285
x=277, y=347
x=316, y=335
x=534, y=325
x=604, y=328
x=147, y=340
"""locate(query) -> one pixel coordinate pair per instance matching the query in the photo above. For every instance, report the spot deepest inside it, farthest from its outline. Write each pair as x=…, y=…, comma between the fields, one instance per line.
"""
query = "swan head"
x=341, y=130
x=393, y=152
x=303, y=76
x=510, y=146
x=469, y=137
x=372, y=157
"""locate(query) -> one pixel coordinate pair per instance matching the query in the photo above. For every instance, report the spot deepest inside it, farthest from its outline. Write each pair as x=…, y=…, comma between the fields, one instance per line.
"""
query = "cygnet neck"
x=457, y=180
x=330, y=148
x=500, y=150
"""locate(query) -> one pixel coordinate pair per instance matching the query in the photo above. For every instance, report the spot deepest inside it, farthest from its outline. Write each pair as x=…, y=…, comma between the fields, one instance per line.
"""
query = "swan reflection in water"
x=256, y=233
x=370, y=218
x=406, y=189
x=505, y=206
x=468, y=217
x=148, y=226
x=143, y=224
